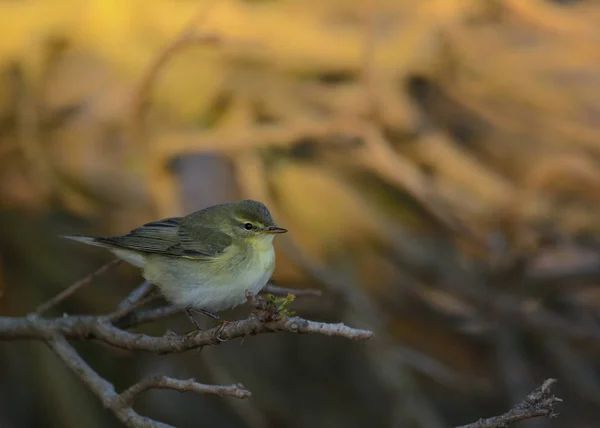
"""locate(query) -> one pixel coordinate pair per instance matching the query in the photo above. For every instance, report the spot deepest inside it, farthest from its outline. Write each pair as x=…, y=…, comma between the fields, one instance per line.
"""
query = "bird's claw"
x=224, y=323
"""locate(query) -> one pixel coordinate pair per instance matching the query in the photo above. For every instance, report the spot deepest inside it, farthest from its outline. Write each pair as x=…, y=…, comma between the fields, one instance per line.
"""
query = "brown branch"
x=126, y=310
x=128, y=397
x=148, y=315
x=55, y=332
x=284, y=291
x=121, y=404
x=539, y=403
x=135, y=296
x=333, y=133
x=99, y=328
x=184, y=39
x=101, y=387
x=67, y=292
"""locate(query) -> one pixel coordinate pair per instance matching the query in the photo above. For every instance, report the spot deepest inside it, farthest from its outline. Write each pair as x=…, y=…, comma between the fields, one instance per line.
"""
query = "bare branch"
x=184, y=39
x=55, y=332
x=101, y=387
x=136, y=295
x=126, y=310
x=128, y=397
x=147, y=316
x=121, y=404
x=299, y=325
x=284, y=291
x=73, y=360
x=539, y=403
x=92, y=327
x=75, y=287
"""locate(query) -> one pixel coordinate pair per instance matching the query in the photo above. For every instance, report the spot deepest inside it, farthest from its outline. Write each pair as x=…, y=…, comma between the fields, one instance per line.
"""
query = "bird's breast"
x=214, y=284
x=252, y=265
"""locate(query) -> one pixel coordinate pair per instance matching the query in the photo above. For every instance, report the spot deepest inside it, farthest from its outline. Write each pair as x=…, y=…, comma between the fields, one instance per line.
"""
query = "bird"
x=205, y=261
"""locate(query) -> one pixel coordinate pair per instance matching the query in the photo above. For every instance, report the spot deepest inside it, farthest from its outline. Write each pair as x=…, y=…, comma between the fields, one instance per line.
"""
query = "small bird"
x=205, y=261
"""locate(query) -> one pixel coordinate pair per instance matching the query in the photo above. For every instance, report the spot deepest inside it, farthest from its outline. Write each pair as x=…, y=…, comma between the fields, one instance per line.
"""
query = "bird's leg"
x=171, y=333
x=224, y=324
x=208, y=314
x=188, y=312
x=204, y=312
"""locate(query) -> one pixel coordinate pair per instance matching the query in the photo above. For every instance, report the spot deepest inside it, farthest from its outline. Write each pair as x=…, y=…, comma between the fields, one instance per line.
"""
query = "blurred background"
x=436, y=161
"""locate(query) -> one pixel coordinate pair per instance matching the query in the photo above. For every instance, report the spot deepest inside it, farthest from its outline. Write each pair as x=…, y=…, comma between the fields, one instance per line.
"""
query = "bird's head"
x=246, y=220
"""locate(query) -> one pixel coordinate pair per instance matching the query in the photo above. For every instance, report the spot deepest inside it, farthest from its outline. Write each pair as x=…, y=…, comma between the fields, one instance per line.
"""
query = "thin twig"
x=284, y=291
x=136, y=295
x=539, y=403
x=126, y=310
x=147, y=316
x=128, y=397
x=75, y=287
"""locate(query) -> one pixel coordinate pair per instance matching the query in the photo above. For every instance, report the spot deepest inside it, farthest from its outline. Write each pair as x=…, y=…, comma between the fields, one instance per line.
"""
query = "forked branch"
x=112, y=330
x=121, y=404
x=539, y=403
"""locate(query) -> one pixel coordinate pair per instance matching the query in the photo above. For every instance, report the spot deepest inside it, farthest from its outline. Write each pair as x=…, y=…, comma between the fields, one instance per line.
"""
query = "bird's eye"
x=248, y=226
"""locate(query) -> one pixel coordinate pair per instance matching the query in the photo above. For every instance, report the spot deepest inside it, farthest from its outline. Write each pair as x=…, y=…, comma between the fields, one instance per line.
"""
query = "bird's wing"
x=202, y=242
x=172, y=238
x=154, y=237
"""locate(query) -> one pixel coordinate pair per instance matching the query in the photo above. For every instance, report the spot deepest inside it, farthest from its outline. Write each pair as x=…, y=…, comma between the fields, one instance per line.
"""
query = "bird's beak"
x=271, y=230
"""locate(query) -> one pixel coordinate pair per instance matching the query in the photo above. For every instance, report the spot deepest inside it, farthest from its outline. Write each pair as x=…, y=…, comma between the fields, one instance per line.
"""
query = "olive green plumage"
x=205, y=260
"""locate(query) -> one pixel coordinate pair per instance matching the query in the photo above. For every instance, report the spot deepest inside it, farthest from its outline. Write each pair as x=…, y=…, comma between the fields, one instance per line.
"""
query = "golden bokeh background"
x=436, y=161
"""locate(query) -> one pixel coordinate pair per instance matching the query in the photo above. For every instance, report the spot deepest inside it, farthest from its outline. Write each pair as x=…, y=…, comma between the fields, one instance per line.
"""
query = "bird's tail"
x=130, y=256
x=90, y=240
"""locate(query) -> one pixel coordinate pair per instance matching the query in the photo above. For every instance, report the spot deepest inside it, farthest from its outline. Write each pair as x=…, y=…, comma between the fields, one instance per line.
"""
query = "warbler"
x=206, y=260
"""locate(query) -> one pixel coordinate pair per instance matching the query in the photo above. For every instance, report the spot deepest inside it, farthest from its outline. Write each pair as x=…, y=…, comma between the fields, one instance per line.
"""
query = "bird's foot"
x=224, y=323
x=171, y=333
